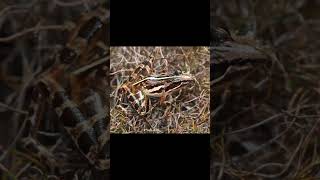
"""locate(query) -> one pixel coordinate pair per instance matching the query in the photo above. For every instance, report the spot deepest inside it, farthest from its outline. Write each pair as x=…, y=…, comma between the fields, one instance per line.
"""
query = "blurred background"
x=32, y=33
x=266, y=125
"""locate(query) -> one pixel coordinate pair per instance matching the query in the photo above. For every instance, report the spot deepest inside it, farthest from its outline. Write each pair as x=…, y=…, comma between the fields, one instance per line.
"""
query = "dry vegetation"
x=31, y=34
x=186, y=111
x=267, y=126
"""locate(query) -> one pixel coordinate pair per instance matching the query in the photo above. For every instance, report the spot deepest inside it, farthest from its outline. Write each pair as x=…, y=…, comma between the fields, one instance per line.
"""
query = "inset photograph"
x=160, y=89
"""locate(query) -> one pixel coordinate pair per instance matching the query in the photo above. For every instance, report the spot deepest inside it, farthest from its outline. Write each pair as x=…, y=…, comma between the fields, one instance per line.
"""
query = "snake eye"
x=68, y=55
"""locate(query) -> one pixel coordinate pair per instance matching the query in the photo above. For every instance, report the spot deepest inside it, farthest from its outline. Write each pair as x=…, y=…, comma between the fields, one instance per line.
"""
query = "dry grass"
x=187, y=111
x=268, y=125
